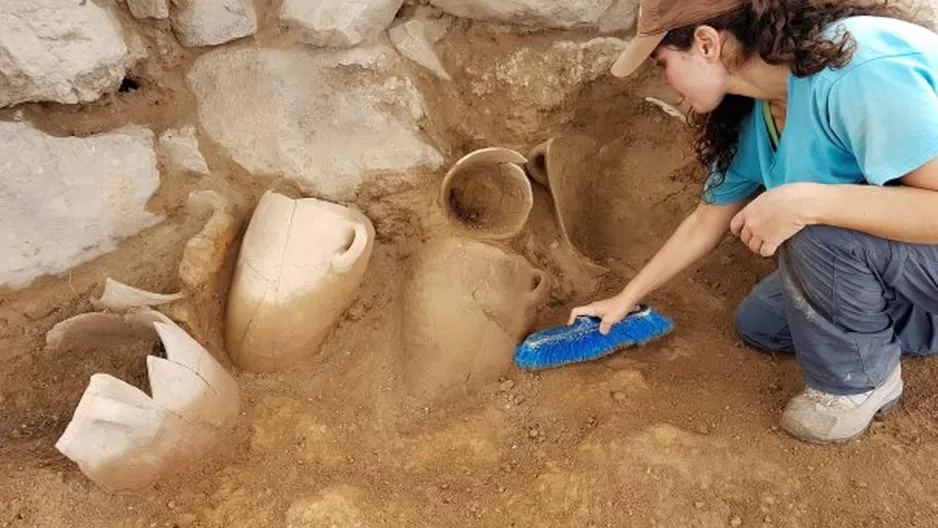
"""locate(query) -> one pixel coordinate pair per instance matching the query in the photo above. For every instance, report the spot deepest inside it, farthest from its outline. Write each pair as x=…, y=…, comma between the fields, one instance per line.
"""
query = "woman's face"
x=697, y=74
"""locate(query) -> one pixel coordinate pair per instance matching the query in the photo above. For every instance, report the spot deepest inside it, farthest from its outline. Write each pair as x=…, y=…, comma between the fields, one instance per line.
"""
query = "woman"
x=832, y=108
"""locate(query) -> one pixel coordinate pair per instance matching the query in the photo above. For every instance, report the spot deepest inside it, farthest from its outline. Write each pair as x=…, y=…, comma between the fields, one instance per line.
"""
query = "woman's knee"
x=750, y=323
x=825, y=242
x=760, y=319
x=831, y=269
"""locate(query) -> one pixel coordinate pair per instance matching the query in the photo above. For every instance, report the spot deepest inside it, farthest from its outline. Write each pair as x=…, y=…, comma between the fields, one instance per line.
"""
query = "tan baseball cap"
x=657, y=17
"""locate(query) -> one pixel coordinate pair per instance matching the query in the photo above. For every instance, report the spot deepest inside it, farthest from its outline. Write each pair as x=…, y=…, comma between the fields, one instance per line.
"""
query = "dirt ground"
x=680, y=433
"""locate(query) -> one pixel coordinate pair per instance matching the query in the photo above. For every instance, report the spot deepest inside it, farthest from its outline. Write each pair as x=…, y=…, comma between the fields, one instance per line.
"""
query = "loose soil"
x=679, y=433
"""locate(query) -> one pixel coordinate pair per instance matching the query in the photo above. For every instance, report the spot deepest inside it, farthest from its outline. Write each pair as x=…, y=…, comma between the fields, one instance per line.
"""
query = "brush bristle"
x=556, y=347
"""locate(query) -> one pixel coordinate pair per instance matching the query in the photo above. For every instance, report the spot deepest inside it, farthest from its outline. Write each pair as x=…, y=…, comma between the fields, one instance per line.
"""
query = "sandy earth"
x=681, y=433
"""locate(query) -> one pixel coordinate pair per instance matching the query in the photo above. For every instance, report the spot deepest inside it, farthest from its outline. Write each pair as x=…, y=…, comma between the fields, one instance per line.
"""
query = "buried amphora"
x=488, y=195
x=123, y=438
x=466, y=306
x=300, y=265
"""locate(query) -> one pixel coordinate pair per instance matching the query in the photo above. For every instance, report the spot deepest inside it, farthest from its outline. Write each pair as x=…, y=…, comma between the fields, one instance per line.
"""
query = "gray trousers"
x=848, y=305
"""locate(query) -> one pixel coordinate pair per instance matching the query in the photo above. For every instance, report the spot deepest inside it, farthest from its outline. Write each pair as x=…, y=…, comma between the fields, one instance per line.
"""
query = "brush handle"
x=640, y=310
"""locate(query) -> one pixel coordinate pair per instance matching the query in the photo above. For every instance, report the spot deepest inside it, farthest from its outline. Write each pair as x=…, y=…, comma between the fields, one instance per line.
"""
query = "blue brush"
x=556, y=347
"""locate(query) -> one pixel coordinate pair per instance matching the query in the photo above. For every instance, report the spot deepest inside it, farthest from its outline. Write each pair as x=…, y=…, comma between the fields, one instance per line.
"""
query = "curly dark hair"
x=785, y=32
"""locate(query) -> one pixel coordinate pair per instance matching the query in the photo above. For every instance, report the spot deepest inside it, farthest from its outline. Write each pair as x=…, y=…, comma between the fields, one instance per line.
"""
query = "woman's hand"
x=697, y=235
x=611, y=311
x=775, y=216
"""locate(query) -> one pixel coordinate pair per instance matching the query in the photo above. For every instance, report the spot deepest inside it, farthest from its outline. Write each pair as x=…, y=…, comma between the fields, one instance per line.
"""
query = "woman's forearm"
x=697, y=236
x=904, y=214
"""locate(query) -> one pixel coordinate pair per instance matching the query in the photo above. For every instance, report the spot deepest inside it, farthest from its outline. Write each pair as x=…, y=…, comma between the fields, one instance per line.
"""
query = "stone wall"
x=321, y=95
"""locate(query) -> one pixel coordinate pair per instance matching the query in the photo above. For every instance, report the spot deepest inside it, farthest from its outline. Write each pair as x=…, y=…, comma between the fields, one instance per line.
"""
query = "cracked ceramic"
x=300, y=265
x=487, y=194
x=559, y=164
x=467, y=305
x=119, y=297
x=668, y=109
x=122, y=438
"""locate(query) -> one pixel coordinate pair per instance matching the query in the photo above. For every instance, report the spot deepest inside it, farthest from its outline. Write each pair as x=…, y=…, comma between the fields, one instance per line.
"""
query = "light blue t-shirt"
x=872, y=121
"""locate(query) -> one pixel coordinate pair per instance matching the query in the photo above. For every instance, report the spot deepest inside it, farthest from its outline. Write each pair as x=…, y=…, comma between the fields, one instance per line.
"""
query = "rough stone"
x=137, y=48
x=436, y=23
x=203, y=273
x=537, y=13
x=65, y=201
x=63, y=51
x=539, y=81
x=336, y=506
x=924, y=12
x=621, y=16
x=410, y=38
x=213, y=22
x=182, y=147
x=149, y=8
x=339, y=24
x=547, y=77
x=318, y=118
x=206, y=252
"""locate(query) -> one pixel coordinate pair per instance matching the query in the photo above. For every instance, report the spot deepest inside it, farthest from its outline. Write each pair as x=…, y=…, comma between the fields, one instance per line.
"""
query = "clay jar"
x=563, y=166
x=300, y=265
x=487, y=194
x=467, y=305
x=124, y=439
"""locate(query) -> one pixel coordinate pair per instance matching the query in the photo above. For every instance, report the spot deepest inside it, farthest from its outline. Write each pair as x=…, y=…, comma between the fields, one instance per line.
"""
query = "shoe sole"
x=888, y=406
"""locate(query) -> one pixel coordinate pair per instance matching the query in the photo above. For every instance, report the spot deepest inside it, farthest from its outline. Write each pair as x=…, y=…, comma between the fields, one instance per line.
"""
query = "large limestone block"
x=65, y=201
x=325, y=120
x=339, y=24
x=300, y=265
x=542, y=13
x=536, y=85
x=213, y=22
x=622, y=16
x=64, y=51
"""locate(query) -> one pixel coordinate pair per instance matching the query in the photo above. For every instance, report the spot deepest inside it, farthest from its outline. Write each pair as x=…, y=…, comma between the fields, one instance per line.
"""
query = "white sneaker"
x=818, y=417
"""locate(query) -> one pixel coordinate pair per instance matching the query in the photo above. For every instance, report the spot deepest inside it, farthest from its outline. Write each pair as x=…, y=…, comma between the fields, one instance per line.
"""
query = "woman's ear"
x=708, y=43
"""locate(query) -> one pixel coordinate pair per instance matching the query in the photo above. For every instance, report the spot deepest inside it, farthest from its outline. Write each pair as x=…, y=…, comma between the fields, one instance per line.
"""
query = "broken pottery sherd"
x=466, y=307
x=561, y=165
x=91, y=329
x=123, y=439
x=300, y=265
x=668, y=108
x=119, y=297
x=488, y=194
